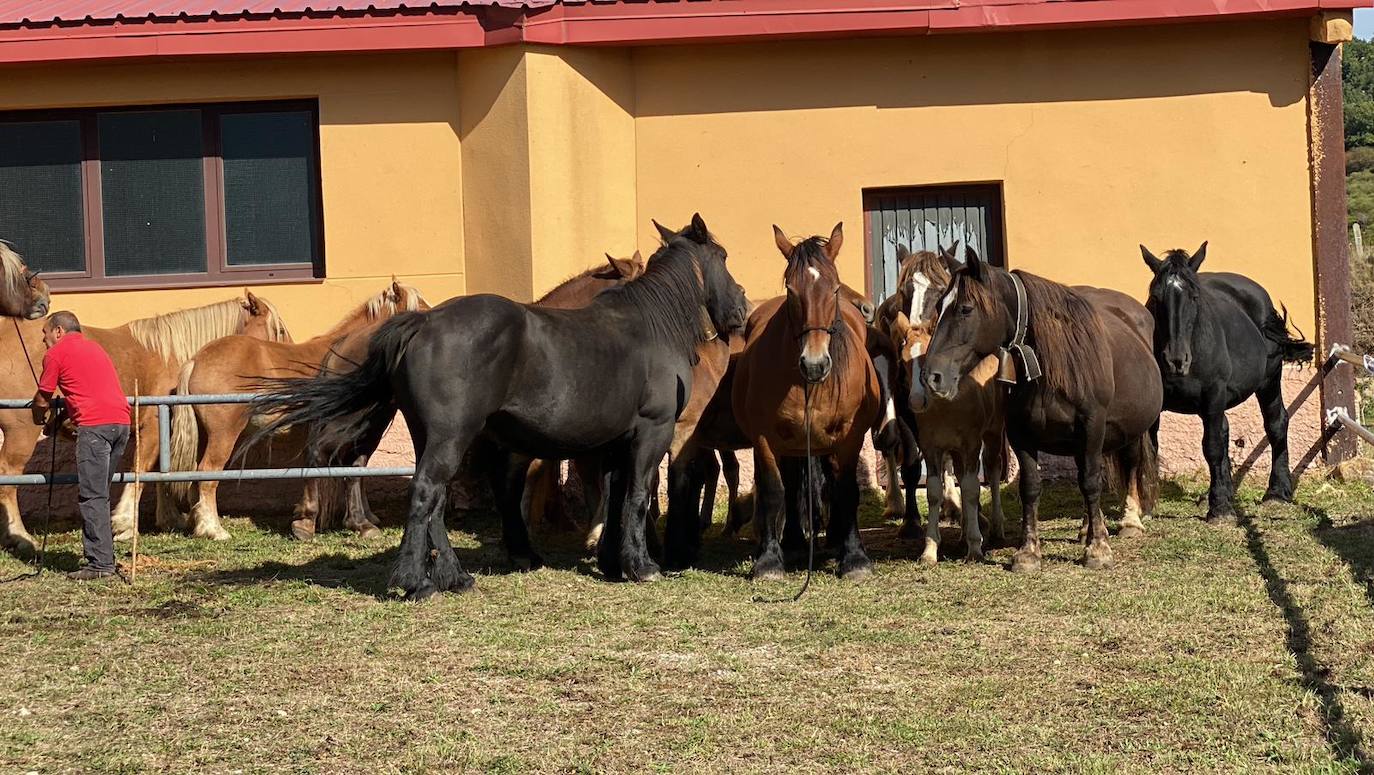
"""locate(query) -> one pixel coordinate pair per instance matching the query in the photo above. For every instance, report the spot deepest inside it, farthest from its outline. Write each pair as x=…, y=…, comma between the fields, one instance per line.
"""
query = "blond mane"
x=176, y=336
x=380, y=306
x=13, y=274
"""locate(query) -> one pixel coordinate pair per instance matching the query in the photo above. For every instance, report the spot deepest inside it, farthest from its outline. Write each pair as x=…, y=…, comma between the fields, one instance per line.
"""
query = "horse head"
x=260, y=319
x=971, y=322
x=925, y=276
x=722, y=297
x=813, y=298
x=1175, y=300
x=25, y=294
x=622, y=269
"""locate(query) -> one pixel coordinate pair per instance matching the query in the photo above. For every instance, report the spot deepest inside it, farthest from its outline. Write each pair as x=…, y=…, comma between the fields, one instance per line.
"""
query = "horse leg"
x=1275, y=415
x=965, y=466
x=219, y=446
x=935, y=498
x=307, y=512
x=1131, y=461
x=1027, y=558
x=710, y=483
x=1098, y=553
x=729, y=470
x=426, y=563
x=646, y=450
x=611, y=527
x=951, y=510
x=19, y=442
x=594, y=475
x=895, y=505
x=768, y=512
x=994, y=460
x=1216, y=440
x=126, y=512
x=682, y=534
x=794, y=531
x=853, y=563
x=911, y=516
x=507, y=473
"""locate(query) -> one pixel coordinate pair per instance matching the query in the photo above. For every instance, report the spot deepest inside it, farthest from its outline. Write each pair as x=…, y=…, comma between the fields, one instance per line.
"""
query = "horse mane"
x=1062, y=327
x=810, y=254
x=669, y=295
x=584, y=274
x=379, y=306
x=176, y=336
x=13, y=274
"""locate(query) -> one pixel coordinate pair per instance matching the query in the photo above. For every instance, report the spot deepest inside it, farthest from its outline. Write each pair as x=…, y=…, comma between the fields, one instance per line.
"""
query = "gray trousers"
x=99, y=449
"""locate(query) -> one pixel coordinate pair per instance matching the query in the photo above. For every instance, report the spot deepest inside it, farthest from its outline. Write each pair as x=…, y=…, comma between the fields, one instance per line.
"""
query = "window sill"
x=153, y=283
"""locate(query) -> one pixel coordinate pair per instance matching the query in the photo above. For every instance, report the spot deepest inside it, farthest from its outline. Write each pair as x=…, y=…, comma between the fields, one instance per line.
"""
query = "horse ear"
x=1196, y=260
x=950, y=253
x=902, y=254
x=784, y=244
x=699, y=232
x=396, y=287
x=973, y=262
x=952, y=264
x=625, y=267
x=832, y=247
x=638, y=260
x=1150, y=260
x=664, y=233
x=250, y=302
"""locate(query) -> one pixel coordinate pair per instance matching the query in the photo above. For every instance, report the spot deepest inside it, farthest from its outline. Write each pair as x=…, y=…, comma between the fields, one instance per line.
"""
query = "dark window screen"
x=153, y=190
x=40, y=194
x=930, y=219
x=269, y=187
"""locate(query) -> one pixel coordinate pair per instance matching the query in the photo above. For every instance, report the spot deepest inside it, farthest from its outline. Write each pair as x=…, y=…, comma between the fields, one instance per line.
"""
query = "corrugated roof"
x=40, y=12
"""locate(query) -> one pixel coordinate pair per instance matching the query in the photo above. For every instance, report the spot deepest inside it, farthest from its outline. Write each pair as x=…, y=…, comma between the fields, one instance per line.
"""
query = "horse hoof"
x=527, y=563
x=1277, y=497
x=909, y=531
x=646, y=574
x=302, y=532
x=929, y=557
x=420, y=594
x=218, y=534
x=974, y=557
x=1025, y=562
x=369, y=533
x=1223, y=519
x=1083, y=535
x=892, y=514
x=1098, y=558
x=768, y=573
x=857, y=574
x=22, y=546
x=1130, y=531
x=124, y=534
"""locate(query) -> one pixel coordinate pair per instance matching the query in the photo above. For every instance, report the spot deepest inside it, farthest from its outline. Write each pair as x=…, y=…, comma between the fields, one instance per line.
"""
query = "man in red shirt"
x=84, y=373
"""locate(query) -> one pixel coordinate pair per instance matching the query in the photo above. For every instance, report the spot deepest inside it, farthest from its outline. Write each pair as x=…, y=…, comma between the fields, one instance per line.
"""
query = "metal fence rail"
x=1337, y=417
x=165, y=473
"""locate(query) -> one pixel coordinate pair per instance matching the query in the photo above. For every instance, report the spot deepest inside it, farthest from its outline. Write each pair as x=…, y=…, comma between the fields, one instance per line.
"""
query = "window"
x=929, y=218
x=168, y=196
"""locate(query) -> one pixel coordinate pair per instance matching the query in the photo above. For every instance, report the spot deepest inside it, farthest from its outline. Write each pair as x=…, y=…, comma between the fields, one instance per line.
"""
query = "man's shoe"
x=89, y=574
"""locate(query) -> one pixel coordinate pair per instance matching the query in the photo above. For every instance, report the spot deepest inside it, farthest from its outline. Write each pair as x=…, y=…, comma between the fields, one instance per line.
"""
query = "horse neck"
x=354, y=321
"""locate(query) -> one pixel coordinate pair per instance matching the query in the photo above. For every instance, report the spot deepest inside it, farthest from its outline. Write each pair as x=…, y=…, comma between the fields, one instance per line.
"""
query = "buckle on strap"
x=1030, y=362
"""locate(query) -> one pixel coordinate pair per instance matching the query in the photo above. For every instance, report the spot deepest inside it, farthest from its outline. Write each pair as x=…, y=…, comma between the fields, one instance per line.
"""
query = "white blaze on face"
x=889, y=412
x=814, y=272
x=1175, y=283
x=920, y=286
x=946, y=302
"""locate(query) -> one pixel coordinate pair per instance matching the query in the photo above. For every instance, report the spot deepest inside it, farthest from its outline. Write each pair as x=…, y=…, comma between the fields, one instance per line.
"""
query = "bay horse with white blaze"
x=1218, y=341
x=1085, y=385
x=609, y=378
x=804, y=385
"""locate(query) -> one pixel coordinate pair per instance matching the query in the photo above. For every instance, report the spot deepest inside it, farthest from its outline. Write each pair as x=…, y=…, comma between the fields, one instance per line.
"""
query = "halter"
x=1030, y=363
x=830, y=329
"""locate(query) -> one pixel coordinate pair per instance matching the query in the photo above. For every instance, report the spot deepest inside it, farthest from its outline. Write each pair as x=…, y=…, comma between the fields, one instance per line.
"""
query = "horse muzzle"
x=815, y=370
x=941, y=385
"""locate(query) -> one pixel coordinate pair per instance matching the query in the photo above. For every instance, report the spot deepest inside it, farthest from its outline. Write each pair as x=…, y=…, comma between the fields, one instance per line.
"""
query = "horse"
x=23, y=295
x=147, y=353
x=1218, y=340
x=1085, y=385
x=962, y=429
x=204, y=436
x=608, y=379
x=820, y=409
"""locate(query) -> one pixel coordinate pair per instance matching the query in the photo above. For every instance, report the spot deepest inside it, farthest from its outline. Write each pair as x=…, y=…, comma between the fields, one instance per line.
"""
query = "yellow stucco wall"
x=1103, y=139
x=390, y=169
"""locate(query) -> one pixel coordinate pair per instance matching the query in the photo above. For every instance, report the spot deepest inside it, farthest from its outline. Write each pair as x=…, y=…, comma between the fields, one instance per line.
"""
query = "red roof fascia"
x=607, y=24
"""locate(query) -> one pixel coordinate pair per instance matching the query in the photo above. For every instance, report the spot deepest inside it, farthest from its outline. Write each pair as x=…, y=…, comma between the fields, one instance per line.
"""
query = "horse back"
x=1110, y=303
x=1249, y=295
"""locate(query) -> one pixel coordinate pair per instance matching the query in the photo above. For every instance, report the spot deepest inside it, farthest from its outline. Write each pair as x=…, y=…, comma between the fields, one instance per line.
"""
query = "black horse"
x=608, y=379
x=1219, y=340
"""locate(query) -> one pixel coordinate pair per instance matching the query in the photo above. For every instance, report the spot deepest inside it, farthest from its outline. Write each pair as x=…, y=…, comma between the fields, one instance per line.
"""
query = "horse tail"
x=340, y=407
x=1147, y=473
x=1293, y=349
x=185, y=439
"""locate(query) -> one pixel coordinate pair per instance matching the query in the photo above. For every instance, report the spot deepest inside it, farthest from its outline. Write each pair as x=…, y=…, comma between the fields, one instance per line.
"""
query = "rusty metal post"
x=1326, y=144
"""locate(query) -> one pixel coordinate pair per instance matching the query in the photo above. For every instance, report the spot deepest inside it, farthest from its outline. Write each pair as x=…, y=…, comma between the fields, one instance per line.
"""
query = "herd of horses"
x=636, y=360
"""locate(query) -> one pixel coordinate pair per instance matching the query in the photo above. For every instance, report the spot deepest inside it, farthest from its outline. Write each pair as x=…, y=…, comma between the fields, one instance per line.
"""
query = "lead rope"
x=52, y=472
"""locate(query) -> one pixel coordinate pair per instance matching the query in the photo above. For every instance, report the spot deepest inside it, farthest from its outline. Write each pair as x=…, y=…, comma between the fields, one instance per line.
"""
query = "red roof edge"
x=610, y=24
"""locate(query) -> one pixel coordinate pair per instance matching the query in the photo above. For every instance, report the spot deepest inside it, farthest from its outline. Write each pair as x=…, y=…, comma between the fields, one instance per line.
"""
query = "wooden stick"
x=138, y=454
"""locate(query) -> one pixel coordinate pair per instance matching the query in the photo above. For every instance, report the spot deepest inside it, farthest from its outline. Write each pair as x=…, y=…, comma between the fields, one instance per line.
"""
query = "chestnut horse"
x=206, y=434
x=147, y=352
x=1086, y=384
x=958, y=430
x=823, y=407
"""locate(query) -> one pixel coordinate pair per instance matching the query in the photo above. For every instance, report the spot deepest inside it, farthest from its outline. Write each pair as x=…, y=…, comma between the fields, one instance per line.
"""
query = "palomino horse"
x=147, y=353
x=960, y=429
x=206, y=434
x=22, y=294
x=1218, y=341
x=1085, y=385
x=608, y=379
x=823, y=407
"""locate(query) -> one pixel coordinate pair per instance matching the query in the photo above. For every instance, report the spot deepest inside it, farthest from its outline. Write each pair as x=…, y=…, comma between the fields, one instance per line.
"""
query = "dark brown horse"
x=804, y=384
x=1086, y=384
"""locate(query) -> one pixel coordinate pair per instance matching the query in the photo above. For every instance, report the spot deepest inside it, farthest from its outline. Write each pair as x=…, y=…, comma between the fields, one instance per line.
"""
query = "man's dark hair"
x=64, y=320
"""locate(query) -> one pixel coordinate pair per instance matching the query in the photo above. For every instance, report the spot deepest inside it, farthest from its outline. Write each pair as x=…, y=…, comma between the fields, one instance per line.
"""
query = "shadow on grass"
x=1340, y=734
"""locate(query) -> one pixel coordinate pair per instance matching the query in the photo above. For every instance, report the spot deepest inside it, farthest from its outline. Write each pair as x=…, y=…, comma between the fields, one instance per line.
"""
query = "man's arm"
x=47, y=385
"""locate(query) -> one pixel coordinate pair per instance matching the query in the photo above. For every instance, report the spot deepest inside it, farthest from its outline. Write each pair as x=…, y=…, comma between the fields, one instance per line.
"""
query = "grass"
x=1246, y=648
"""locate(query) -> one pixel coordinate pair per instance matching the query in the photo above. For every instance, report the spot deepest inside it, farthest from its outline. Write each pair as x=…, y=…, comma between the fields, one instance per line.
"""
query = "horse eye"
x=965, y=309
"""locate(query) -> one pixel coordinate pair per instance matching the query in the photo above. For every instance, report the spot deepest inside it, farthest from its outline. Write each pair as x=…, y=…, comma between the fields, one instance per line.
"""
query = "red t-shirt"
x=87, y=378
